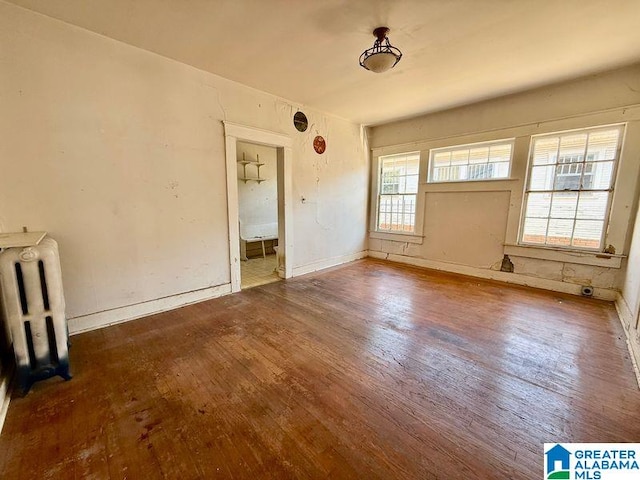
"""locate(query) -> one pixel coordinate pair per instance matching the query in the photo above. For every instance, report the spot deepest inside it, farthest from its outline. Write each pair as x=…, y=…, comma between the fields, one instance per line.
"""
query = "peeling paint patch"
x=589, y=275
x=537, y=268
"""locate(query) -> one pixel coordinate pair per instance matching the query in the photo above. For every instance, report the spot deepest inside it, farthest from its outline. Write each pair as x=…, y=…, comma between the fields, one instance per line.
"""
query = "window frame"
x=375, y=232
x=489, y=143
x=621, y=127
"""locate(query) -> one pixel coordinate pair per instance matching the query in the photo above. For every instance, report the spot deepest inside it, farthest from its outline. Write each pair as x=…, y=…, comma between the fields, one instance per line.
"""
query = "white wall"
x=119, y=154
x=468, y=227
x=258, y=202
x=628, y=304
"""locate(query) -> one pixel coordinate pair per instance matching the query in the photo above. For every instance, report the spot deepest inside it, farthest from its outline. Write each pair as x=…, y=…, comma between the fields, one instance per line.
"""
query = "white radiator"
x=34, y=309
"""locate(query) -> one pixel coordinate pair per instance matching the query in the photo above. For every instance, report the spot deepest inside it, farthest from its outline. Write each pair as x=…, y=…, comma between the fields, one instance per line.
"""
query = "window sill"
x=581, y=257
x=397, y=237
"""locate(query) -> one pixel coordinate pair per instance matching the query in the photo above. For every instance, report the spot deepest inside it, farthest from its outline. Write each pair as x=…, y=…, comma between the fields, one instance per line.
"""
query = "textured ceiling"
x=455, y=51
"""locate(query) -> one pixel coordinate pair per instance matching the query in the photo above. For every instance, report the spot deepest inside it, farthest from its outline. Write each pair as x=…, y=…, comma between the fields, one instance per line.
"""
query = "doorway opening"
x=257, y=158
x=257, y=213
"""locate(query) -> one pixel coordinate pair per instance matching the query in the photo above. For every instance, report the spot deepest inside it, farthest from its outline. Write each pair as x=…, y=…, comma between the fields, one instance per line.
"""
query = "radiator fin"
x=21, y=290
x=51, y=336
x=43, y=285
x=33, y=363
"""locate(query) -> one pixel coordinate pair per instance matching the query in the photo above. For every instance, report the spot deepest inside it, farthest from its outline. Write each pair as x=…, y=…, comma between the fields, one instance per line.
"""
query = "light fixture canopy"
x=382, y=56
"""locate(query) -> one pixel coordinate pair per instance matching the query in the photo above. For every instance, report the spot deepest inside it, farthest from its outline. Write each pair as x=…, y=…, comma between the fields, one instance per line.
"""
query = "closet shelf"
x=250, y=162
x=254, y=163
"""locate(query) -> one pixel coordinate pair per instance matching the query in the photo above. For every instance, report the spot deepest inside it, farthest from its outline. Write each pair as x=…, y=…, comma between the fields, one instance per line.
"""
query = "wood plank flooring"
x=372, y=370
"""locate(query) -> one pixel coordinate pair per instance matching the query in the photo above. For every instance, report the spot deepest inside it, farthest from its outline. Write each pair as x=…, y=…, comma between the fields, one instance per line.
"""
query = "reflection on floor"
x=258, y=271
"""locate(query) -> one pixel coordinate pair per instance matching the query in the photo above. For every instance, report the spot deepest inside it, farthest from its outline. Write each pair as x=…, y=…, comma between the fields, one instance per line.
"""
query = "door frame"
x=234, y=133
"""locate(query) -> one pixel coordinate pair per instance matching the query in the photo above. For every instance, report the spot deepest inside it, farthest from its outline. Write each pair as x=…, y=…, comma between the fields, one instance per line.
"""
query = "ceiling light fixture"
x=382, y=56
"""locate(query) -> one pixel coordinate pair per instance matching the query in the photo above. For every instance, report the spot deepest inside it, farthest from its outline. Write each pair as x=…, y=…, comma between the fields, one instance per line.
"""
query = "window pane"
x=545, y=151
x=568, y=176
x=441, y=174
x=384, y=221
x=457, y=172
x=500, y=153
x=587, y=233
x=573, y=145
x=402, y=184
x=411, y=184
x=384, y=217
x=389, y=180
x=603, y=145
x=388, y=162
x=394, y=221
x=500, y=170
x=479, y=155
x=600, y=176
x=542, y=178
x=559, y=232
x=390, y=183
x=413, y=165
x=538, y=205
x=480, y=171
x=441, y=159
x=535, y=230
x=409, y=213
x=592, y=205
x=410, y=203
x=397, y=213
x=563, y=205
x=460, y=157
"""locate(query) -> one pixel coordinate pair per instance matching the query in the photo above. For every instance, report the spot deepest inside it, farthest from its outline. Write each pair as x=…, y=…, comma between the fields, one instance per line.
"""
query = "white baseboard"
x=328, y=262
x=94, y=321
x=106, y=318
x=624, y=312
x=627, y=320
x=5, y=395
x=518, y=279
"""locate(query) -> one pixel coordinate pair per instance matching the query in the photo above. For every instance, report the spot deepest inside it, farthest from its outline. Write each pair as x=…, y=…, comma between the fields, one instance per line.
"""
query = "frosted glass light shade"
x=380, y=62
x=382, y=56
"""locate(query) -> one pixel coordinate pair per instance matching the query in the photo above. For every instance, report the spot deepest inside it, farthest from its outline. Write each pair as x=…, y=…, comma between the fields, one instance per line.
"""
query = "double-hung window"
x=397, y=192
x=569, y=187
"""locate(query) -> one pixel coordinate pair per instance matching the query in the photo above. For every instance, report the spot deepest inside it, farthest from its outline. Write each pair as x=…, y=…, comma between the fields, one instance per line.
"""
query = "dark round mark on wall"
x=319, y=145
x=300, y=121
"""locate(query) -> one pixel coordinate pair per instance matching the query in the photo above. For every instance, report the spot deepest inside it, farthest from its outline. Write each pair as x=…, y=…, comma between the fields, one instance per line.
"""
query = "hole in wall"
x=507, y=264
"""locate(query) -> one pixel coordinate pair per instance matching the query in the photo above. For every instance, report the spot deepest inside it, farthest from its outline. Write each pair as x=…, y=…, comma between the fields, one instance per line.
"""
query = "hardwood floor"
x=371, y=370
